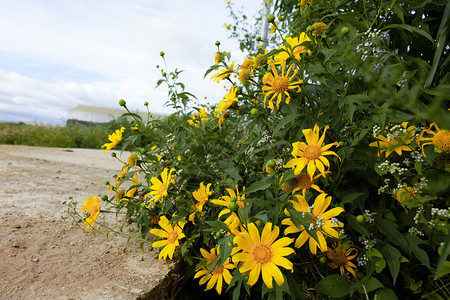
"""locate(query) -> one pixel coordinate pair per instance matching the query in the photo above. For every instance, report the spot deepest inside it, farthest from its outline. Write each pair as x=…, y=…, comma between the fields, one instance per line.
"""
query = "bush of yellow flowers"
x=322, y=173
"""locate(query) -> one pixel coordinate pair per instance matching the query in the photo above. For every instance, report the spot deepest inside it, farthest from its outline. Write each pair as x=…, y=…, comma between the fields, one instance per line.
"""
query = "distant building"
x=90, y=115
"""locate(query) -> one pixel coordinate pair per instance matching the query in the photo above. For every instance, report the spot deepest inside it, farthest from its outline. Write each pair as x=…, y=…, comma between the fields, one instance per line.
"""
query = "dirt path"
x=44, y=257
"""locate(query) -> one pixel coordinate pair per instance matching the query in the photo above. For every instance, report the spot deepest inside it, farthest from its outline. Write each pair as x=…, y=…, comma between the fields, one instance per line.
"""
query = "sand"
x=45, y=257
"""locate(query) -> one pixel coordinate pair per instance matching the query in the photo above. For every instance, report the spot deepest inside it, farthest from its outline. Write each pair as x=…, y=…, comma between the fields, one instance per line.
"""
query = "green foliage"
x=359, y=119
x=69, y=136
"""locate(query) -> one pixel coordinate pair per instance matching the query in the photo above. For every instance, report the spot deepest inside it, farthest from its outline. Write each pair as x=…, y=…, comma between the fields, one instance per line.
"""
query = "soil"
x=45, y=257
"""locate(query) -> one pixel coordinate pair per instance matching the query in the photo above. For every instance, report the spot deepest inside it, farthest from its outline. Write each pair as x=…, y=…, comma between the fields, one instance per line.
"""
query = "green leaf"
x=370, y=285
x=351, y=197
x=412, y=29
x=353, y=101
x=393, y=257
x=413, y=242
x=334, y=286
x=443, y=257
x=299, y=219
x=284, y=122
x=358, y=227
x=389, y=229
x=256, y=186
x=385, y=294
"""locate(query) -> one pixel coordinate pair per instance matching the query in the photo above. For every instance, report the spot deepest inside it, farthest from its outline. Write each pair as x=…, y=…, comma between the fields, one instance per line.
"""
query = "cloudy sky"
x=55, y=55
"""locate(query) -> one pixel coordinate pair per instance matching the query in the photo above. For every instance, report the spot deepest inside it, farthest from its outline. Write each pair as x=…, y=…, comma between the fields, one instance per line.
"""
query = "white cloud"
x=56, y=55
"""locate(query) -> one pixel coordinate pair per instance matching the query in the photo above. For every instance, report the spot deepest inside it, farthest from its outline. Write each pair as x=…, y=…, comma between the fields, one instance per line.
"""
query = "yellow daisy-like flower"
x=405, y=193
x=395, y=141
x=223, y=74
x=114, y=138
x=244, y=75
x=440, y=139
x=263, y=254
x=223, y=116
x=201, y=195
x=92, y=210
x=232, y=220
x=295, y=48
x=200, y=117
x=130, y=193
x=171, y=237
x=305, y=182
x=277, y=86
x=159, y=188
x=258, y=60
x=218, y=275
x=230, y=99
x=319, y=28
x=323, y=223
x=312, y=154
x=132, y=159
x=341, y=258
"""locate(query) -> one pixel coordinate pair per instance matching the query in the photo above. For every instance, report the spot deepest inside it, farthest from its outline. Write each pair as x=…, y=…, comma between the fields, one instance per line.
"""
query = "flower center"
x=442, y=140
x=339, y=258
x=262, y=254
x=304, y=181
x=312, y=152
x=280, y=85
x=162, y=189
x=172, y=237
x=300, y=50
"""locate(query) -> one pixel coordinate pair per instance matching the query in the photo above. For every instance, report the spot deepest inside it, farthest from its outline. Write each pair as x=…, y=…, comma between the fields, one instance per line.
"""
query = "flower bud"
x=145, y=103
x=270, y=18
x=345, y=30
x=309, y=28
x=254, y=112
x=217, y=43
x=104, y=197
x=113, y=154
x=162, y=53
x=122, y=102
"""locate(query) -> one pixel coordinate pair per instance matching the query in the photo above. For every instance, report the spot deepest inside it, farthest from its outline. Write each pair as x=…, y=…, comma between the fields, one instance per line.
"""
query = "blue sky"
x=55, y=55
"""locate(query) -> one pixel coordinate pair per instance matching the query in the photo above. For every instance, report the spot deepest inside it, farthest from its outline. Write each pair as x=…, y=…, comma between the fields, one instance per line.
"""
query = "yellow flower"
x=258, y=60
x=223, y=74
x=92, y=210
x=397, y=141
x=405, y=193
x=217, y=275
x=311, y=154
x=319, y=28
x=130, y=193
x=223, y=116
x=440, y=138
x=228, y=26
x=295, y=48
x=232, y=220
x=273, y=28
x=279, y=85
x=244, y=75
x=200, y=117
x=323, y=223
x=305, y=2
x=171, y=236
x=132, y=159
x=159, y=188
x=201, y=195
x=115, y=138
x=342, y=259
x=304, y=182
x=230, y=99
x=263, y=254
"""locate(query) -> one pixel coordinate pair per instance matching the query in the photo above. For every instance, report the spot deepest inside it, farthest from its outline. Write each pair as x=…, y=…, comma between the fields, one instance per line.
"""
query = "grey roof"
x=116, y=113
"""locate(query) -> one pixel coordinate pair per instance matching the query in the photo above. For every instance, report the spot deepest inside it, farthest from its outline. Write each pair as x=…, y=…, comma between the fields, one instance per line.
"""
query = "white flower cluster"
x=369, y=216
x=384, y=187
x=362, y=260
x=368, y=244
x=266, y=138
x=445, y=213
x=418, y=157
x=415, y=231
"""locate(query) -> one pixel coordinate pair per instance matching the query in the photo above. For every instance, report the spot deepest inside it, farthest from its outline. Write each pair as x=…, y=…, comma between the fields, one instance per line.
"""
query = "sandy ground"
x=44, y=257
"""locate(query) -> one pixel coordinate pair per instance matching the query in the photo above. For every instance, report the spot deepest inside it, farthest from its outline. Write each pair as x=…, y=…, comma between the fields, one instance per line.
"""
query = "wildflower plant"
x=312, y=181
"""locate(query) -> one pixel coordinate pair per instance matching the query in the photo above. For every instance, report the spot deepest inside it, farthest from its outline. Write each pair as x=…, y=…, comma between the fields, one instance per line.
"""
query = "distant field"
x=70, y=136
